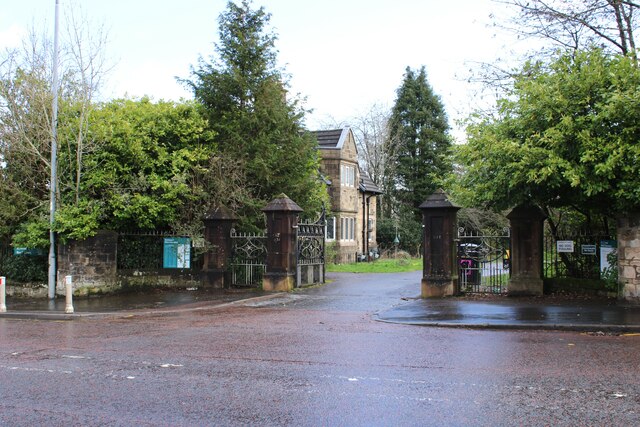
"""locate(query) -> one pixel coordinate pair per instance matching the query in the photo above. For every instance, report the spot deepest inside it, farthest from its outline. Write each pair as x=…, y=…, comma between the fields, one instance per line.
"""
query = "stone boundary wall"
x=91, y=262
x=629, y=257
x=28, y=290
x=178, y=279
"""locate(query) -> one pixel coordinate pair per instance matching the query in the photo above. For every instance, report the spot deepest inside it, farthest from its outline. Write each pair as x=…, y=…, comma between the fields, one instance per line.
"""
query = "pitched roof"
x=331, y=139
x=367, y=185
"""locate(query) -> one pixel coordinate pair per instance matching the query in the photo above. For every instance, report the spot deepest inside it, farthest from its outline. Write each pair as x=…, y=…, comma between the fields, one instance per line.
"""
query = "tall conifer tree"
x=245, y=98
x=419, y=130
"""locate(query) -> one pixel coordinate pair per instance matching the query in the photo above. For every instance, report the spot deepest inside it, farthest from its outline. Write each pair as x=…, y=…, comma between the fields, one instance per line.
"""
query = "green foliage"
x=409, y=233
x=140, y=252
x=25, y=268
x=151, y=165
x=33, y=234
x=610, y=274
x=419, y=132
x=245, y=99
x=379, y=266
x=78, y=222
x=567, y=136
x=139, y=176
x=25, y=139
x=331, y=252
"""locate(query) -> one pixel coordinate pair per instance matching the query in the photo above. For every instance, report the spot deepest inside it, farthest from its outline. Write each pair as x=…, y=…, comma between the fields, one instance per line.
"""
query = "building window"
x=353, y=228
x=347, y=229
x=347, y=176
x=331, y=228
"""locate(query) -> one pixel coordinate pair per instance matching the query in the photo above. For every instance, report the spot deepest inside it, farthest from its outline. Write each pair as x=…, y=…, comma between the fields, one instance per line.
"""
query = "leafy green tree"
x=25, y=118
x=419, y=130
x=25, y=139
x=409, y=231
x=567, y=136
x=149, y=169
x=245, y=98
x=152, y=165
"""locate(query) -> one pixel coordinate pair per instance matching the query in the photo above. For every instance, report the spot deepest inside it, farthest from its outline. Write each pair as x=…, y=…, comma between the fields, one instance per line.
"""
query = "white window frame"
x=353, y=228
x=347, y=176
x=347, y=229
x=329, y=238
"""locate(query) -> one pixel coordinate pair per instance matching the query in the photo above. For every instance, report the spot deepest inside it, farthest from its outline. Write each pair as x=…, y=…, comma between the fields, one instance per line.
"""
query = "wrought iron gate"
x=311, y=245
x=483, y=260
x=248, y=258
x=249, y=255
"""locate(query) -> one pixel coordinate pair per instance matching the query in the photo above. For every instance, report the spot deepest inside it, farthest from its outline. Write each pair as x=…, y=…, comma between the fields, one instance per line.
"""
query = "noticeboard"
x=606, y=247
x=177, y=252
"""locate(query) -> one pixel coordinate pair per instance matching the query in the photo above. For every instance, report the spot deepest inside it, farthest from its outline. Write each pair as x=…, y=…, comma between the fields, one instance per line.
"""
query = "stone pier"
x=629, y=256
x=440, y=267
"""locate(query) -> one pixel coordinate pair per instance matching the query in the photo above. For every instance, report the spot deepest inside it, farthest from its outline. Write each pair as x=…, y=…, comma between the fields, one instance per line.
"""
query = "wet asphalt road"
x=314, y=357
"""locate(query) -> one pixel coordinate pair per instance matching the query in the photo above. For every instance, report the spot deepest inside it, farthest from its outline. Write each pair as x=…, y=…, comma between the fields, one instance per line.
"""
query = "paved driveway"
x=315, y=357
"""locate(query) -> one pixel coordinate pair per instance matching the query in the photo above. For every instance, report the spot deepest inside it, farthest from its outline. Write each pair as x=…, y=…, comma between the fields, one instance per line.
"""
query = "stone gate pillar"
x=527, y=230
x=629, y=256
x=282, y=223
x=439, y=268
x=217, y=232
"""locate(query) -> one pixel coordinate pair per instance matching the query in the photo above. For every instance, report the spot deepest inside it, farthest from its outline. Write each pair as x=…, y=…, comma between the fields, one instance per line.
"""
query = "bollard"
x=69, y=294
x=3, y=301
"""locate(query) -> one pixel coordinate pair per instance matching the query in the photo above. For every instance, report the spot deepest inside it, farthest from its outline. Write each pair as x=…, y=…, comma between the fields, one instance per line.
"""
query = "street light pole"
x=54, y=164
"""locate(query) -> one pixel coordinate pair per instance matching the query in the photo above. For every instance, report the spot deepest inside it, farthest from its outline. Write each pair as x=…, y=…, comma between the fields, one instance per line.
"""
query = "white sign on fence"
x=564, y=246
x=606, y=247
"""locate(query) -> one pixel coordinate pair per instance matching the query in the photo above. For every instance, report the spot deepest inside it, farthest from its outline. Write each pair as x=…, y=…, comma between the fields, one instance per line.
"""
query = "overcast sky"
x=342, y=55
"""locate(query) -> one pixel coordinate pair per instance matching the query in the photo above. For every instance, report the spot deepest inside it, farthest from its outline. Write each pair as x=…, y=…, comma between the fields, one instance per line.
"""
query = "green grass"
x=378, y=266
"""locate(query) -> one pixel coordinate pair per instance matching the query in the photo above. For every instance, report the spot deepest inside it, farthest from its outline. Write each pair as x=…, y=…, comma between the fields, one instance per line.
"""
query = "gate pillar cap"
x=220, y=213
x=438, y=200
x=282, y=203
x=527, y=212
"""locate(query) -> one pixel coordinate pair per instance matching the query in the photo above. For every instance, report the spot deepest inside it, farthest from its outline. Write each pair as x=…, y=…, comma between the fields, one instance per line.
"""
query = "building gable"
x=337, y=144
x=352, y=194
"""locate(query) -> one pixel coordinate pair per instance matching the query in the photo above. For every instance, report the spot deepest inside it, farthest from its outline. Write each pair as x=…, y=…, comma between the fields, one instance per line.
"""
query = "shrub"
x=25, y=268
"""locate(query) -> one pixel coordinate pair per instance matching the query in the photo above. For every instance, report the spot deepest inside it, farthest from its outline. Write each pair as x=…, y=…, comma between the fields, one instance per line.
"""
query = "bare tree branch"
x=576, y=24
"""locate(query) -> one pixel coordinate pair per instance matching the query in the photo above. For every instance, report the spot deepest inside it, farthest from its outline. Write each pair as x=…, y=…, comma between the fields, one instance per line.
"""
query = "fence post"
x=217, y=232
x=68, y=281
x=3, y=293
x=439, y=260
x=527, y=252
x=282, y=223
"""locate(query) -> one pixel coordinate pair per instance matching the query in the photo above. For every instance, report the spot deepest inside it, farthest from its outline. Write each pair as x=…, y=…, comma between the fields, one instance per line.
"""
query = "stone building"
x=351, y=226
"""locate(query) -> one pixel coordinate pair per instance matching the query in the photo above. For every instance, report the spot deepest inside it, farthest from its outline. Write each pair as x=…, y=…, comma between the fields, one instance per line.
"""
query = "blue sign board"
x=27, y=251
x=177, y=252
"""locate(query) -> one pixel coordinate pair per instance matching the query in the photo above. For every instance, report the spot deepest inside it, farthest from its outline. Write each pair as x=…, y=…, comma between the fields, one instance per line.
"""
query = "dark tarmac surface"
x=103, y=305
x=518, y=313
x=307, y=358
x=402, y=305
